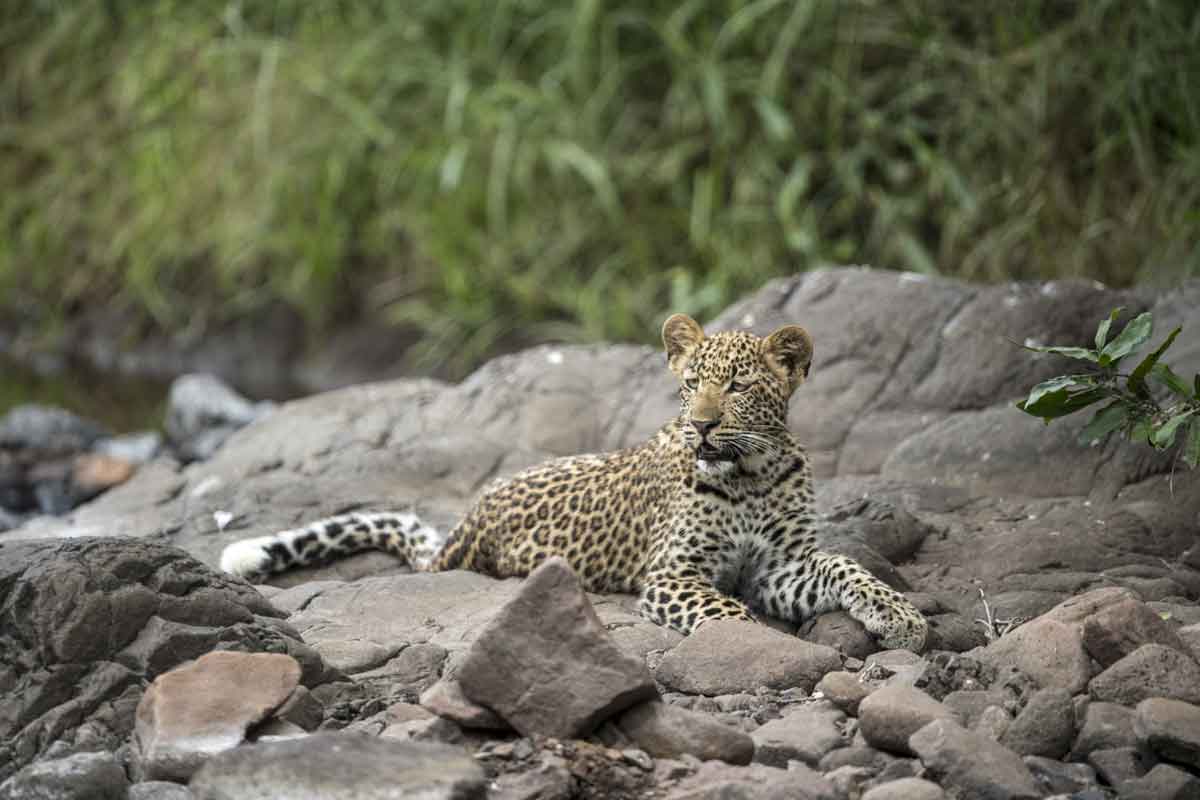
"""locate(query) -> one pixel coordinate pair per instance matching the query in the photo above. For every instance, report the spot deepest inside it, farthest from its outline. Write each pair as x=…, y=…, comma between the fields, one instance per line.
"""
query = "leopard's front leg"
x=684, y=602
x=819, y=582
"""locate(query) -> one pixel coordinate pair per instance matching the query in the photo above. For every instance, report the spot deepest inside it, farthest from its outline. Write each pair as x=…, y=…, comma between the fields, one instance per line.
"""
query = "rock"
x=993, y=723
x=1153, y=670
x=844, y=690
x=203, y=708
x=301, y=709
x=1190, y=636
x=840, y=631
x=341, y=767
x=89, y=622
x=888, y=528
x=1119, y=764
x=48, y=429
x=898, y=667
x=546, y=664
x=1164, y=782
x=1045, y=727
x=970, y=704
x=1049, y=651
x=892, y=714
x=1105, y=726
x=666, y=731
x=446, y=699
x=727, y=656
x=905, y=789
x=83, y=776
x=133, y=448
x=973, y=764
x=1120, y=628
x=159, y=790
x=714, y=780
x=202, y=412
x=1057, y=777
x=805, y=734
x=550, y=780
x=1170, y=728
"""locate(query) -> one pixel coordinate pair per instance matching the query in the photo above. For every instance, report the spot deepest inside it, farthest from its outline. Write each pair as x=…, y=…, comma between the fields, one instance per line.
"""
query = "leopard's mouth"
x=707, y=452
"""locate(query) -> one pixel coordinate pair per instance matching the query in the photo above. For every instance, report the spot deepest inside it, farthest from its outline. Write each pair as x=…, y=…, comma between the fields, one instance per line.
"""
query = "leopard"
x=711, y=518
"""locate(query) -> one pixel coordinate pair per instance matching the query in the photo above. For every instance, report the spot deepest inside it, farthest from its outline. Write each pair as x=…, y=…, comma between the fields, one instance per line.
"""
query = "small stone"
x=1058, y=777
x=842, y=632
x=159, y=790
x=894, y=713
x=969, y=704
x=972, y=763
x=844, y=690
x=1046, y=650
x=1164, y=782
x=1153, y=670
x=302, y=709
x=551, y=780
x=728, y=656
x=639, y=758
x=1119, y=764
x=1105, y=726
x=905, y=789
x=993, y=723
x=546, y=664
x=666, y=731
x=807, y=734
x=341, y=766
x=83, y=776
x=1170, y=728
x=1118, y=629
x=205, y=707
x=1045, y=727
x=446, y=699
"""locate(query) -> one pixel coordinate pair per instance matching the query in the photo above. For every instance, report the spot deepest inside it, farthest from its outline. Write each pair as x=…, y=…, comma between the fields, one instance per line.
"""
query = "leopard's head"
x=734, y=386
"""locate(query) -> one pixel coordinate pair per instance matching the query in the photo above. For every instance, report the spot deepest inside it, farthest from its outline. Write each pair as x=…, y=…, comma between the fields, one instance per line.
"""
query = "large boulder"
x=87, y=623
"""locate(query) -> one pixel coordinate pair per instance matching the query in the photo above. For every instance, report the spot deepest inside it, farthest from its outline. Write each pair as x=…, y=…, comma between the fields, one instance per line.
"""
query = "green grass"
x=525, y=169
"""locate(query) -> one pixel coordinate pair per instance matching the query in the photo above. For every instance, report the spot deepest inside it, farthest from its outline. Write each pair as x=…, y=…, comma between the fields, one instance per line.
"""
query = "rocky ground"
x=1061, y=580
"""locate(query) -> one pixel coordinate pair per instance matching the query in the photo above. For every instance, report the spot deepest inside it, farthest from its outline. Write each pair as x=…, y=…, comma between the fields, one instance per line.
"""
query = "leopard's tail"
x=401, y=534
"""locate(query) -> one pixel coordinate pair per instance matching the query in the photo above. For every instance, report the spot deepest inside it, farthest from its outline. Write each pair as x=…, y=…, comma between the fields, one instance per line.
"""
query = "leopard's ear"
x=681, y=334
x=788, y=353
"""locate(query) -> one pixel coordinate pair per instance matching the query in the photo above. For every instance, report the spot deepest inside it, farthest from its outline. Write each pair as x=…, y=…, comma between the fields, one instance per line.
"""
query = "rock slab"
x=975, y=765
x=730, y=656
x=195, y=711
x=546, y=664
x=341, y=767
x=667, y=731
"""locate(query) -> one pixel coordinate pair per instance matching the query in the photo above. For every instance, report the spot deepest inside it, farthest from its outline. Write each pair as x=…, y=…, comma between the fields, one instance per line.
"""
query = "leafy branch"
x=1151, y=404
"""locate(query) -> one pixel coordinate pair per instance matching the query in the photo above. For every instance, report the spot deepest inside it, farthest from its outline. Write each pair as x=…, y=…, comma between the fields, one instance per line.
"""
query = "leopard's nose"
x=703, y=426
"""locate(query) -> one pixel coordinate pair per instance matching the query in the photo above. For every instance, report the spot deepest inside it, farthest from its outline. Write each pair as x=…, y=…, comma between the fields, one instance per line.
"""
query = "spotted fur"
x=709, y=518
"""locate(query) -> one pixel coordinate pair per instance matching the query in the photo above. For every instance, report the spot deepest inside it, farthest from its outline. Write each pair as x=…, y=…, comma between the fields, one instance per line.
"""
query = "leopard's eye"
x=738, y=387
x=691, y=383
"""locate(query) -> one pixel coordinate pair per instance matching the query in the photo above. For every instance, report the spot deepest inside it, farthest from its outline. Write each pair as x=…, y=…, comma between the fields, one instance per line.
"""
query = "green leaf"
x=1137, y=379
x=1079, y=353
x=1172, y=381
x=1102, y=331
x=1131, y=338
x=1140, y=431
x=1105, y=421
x=1165, y=435
x=1191, y=450
x=1053, y=403
x=1045, y=387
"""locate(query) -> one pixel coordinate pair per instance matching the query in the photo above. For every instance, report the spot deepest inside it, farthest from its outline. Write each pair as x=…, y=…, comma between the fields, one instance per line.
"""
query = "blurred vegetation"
x=574, y=170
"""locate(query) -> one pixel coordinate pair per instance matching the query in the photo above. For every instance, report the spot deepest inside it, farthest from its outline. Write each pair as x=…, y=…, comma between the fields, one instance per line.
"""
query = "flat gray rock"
x=545, y=663
x=83, y=776
x=1153, y=670
x=341, y=767
x=892, y=714
x=667, y=731
x=973, y=764
x=728, y=656
x=805, y=734
x=1045, y=726
x=1170, y=728
x=717, y=781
